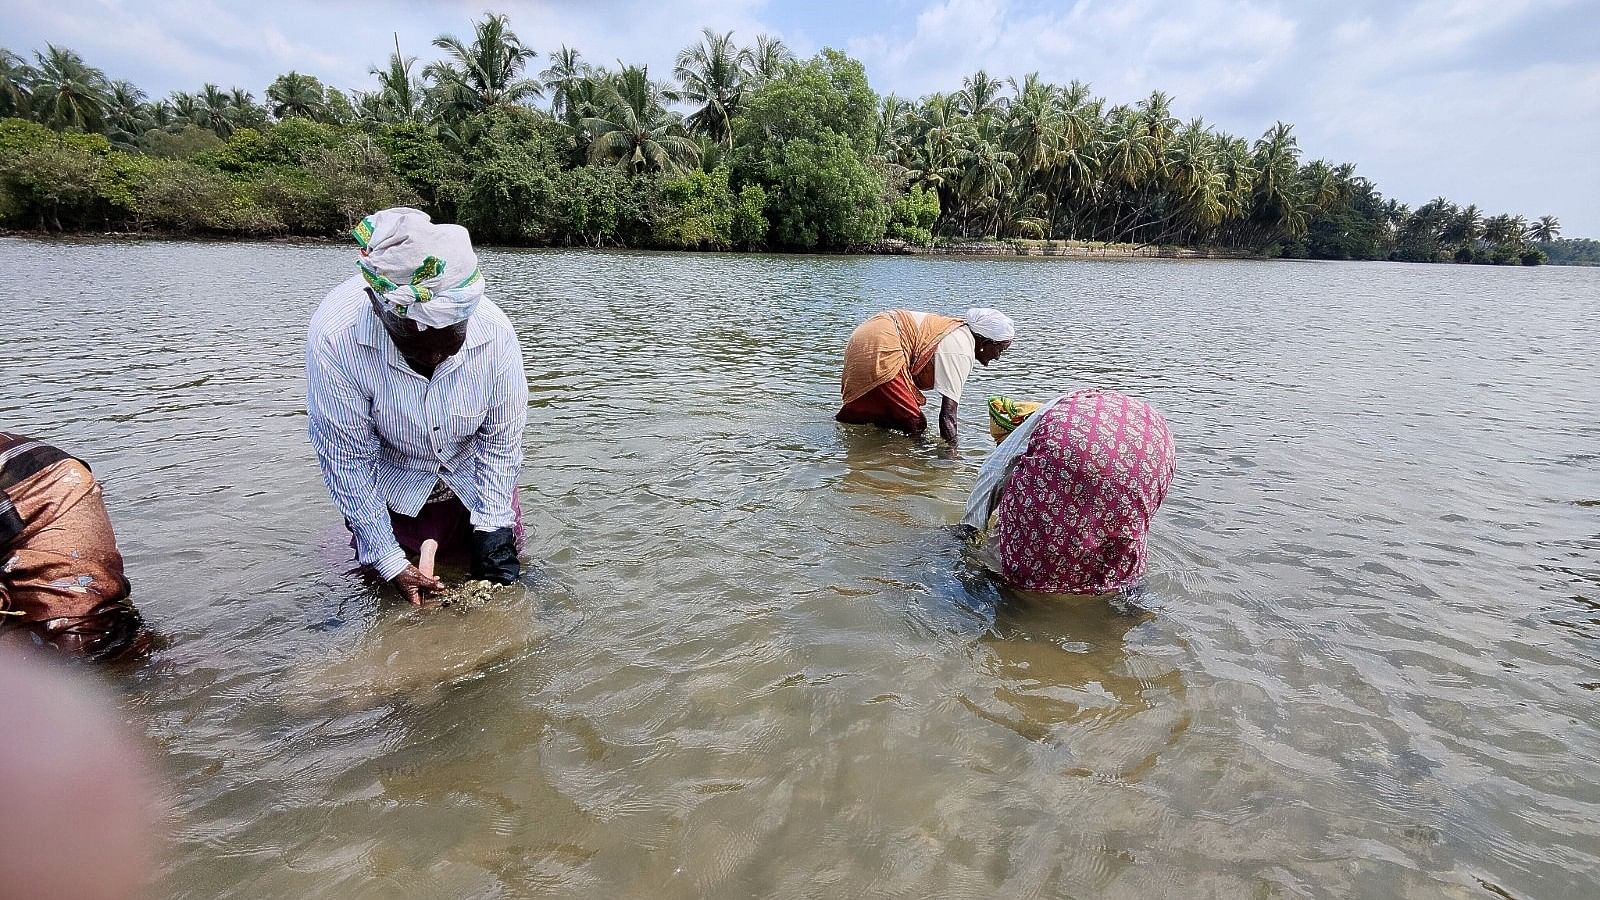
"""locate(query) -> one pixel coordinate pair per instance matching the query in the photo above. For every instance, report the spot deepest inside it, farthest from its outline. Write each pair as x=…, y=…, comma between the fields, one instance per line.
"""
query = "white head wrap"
x=990, y=323
x=420, y=271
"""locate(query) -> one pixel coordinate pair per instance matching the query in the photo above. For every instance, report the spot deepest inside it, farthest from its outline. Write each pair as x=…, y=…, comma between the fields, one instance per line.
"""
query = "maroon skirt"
x=895, y=404
x=449, y=522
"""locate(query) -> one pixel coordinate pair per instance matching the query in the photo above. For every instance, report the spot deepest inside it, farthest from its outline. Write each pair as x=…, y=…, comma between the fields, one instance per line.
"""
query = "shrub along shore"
x=887, y=247
x=744, y=148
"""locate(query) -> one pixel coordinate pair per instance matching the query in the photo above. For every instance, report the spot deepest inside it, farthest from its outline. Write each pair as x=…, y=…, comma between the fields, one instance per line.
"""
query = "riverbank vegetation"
x=1571, y=251
x=742, y=147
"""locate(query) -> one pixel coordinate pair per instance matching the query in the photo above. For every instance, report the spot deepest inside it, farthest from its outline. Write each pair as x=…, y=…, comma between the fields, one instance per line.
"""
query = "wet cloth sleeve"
x=500, y=437
x=952, y=363
x=992, y=477
x=343, y=434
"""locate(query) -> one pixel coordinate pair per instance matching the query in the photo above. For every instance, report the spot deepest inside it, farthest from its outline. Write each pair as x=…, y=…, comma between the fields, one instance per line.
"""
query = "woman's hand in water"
x=415, y=586
x=963, y=532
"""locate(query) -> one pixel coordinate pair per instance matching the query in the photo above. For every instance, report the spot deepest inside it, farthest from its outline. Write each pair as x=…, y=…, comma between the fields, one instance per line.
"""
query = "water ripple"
x=1365, y=664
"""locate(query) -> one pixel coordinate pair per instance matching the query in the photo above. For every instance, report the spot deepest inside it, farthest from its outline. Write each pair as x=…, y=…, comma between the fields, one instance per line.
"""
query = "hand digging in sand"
x=418, y=581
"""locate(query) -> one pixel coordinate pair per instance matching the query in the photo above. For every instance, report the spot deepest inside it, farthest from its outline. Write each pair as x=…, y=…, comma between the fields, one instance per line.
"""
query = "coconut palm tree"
x=1277, y=156
x=986, y=177
x=979, y=98
x=399, y=94
x=160, y=114
x=1073, y=179
x=1237, y=168
x=216, y=110
x=561, y=79
x=1129, y=155
x=487, y=72
x=16, y=84
x=370, y=108
x=125, y=110
x=1073, y=174
x=1548, y=228
x=1155, y=115
x=766, y=59
x=634, y=130
x=585, y=98
x=938, y=137
x=187, y=109
x=1396, y=214
x=67, y=92
x=247, y=113
x=1499, y=229
x=944, y=126
x=1205, y=206
x=1468, y=225
x=1433, y=219
x=127, y=115
x=1127, y=163
x=1023, y=218
x=712, y=75
x=1033, y=130
x=931, y=166
x=1190, y=200
x=1080, y=113
x=893, y=113
x=292, y=95
x=1516, y=228
x=1321, y=185
x=1278, y=205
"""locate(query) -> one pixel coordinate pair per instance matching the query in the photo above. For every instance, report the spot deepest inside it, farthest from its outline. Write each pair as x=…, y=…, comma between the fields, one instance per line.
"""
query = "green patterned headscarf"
x=420, y=271
x=1005, y=414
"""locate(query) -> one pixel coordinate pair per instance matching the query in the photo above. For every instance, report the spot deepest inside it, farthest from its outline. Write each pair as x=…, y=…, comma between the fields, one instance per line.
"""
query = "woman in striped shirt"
x=417, y=401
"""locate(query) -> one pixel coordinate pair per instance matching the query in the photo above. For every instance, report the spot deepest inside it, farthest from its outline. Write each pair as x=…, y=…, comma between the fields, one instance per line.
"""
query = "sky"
x=1493, y=102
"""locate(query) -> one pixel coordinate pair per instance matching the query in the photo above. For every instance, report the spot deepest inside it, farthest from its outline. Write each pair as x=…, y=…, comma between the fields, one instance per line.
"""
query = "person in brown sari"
x=894, y=356
x=61, y=580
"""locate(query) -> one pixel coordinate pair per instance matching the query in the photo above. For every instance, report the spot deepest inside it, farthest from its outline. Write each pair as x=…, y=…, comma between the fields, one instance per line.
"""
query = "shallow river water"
x=754, y=662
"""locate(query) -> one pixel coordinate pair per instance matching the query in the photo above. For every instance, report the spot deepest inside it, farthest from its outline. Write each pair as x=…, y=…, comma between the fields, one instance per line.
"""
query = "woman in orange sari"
x=61, y=581
x=894, y=356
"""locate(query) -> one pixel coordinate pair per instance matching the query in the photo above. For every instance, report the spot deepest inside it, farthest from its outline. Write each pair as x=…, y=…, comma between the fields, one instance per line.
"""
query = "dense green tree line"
x=743, y=147
x=1571, y=251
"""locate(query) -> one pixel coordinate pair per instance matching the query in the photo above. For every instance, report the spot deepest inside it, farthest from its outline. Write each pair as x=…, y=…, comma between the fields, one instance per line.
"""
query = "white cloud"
x=1517, y=143
x=170, y=45
x=1197, y=51
x=634, y=32
x=1426, y=97
x=1495, y=102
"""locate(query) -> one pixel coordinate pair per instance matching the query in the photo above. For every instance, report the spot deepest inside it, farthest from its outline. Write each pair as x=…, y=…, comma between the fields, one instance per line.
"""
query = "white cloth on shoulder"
x=991, y=482
x=952, y=363
x=952, y=360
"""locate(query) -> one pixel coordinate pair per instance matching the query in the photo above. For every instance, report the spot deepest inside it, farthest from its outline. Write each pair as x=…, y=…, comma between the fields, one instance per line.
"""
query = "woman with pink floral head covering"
x=1072, y=492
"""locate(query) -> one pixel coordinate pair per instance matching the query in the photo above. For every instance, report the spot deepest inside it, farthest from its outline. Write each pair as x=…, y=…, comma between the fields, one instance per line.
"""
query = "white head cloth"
x=990, y=323
x=420, y=271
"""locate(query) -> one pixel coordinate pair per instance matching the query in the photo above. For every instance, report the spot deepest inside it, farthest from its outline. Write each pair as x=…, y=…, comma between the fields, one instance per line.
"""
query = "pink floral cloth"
x=1078, y=503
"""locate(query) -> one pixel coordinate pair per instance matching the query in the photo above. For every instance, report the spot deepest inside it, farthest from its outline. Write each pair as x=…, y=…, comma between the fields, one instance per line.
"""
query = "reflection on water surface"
x=757, y=665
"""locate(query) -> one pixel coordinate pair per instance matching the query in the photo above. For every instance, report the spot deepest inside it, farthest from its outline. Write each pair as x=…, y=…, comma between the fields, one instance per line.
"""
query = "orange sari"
x=888, y=363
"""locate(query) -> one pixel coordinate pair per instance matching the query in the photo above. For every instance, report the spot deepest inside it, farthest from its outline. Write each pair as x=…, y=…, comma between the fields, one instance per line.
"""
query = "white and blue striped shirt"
x=386, y=436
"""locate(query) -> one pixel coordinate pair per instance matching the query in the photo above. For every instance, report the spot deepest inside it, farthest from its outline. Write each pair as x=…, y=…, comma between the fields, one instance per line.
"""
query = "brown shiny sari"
x=888, y=363
x=61, y=580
